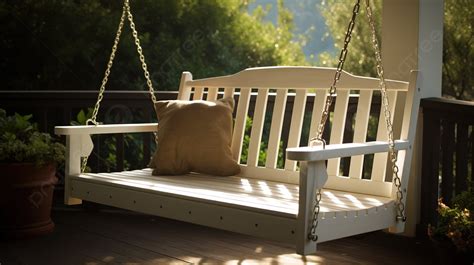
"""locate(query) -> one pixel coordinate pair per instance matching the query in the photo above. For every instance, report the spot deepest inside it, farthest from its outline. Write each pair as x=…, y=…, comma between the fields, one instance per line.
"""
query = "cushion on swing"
x=194, y=136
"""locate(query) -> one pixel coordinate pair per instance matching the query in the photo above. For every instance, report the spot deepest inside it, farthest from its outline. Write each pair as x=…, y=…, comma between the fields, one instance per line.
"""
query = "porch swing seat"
x=266, y=201
x=138, y=190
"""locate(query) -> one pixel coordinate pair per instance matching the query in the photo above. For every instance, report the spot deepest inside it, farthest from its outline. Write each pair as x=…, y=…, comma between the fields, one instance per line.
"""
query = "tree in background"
x=458, y=49
x=458, y=52
x=65, y=44
x=360, y=58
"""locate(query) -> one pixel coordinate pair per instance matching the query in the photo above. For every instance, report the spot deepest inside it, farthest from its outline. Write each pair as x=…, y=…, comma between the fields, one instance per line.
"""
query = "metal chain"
x=312, y=232
x=140, y=52
x=388, y=120
x=125, y=12
x=337, y=75
x=93, y=119
x=332, y=94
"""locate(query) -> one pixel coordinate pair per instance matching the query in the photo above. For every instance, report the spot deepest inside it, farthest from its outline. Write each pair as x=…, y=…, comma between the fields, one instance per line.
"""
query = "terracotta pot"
x=26, y=193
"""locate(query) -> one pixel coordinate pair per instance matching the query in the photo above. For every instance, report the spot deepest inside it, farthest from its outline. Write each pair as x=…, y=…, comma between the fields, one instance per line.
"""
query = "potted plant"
x=453, y=235
x=28, y=160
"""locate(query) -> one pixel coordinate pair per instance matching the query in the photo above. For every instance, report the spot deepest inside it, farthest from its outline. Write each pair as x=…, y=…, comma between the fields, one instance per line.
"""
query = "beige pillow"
x=194, y=136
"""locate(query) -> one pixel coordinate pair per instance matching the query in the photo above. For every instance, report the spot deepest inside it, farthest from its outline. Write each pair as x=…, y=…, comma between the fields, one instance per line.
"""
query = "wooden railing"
x=448, y=153
x=51, y=108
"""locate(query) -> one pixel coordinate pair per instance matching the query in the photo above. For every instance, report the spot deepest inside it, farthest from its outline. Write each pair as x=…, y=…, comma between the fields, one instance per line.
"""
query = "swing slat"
x=318, y=106
x=212, y=93
x=379, y=167
x=360, y=131
x=276, y=128
x=337, y=129
x=240, y=120
x=296, y=125
x=257, y=127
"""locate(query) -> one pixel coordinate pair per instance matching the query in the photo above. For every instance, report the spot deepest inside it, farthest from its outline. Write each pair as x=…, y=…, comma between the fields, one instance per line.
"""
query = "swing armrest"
x=342, y=150
x=106, y=129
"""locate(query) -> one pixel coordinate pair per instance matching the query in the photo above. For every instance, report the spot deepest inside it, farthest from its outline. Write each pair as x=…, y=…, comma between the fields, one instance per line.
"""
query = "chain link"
x=337, y=75
x=387, y=115
x=325, y=115
x=140, y=52
x=316, y=208
x=125, y=13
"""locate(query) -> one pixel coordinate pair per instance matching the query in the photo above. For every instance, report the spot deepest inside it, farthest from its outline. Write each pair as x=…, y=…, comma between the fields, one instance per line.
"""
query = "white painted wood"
x=296, y=125
x=257, y=127
x=308, y=183
x=198, y=212
x=212, y=94
x=276, y=128
x=307, y=153
x=279, y=175
x=375, y=188
x=77, y=146
x=318, y=107
x=106, y=129
x=239, y=125
x=262, y=201
x=198, y=93
x=228, y=92
x=337, y=129
x=184, y=89
x=408, y=132
x=379, y=166
x=398, y=114
x=360, y=131
x=294, y=77
x=254, y=195
x=348, y=224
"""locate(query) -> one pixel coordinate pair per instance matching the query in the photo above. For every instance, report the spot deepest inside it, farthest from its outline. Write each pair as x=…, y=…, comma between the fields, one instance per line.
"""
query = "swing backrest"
x=295, y=85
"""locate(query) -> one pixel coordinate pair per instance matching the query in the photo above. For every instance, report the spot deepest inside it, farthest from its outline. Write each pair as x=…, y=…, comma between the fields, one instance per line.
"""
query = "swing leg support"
x=313, y=176
x=77, y=146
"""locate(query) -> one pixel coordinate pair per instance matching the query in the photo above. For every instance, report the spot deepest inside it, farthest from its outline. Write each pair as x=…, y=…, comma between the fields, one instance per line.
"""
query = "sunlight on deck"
x=280, y=259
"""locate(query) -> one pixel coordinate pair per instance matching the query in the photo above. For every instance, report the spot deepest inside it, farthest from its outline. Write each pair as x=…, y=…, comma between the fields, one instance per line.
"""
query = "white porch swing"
x=302, y=207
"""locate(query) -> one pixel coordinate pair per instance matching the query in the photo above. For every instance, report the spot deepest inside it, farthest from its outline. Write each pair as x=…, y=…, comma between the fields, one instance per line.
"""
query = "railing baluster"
x=447, y=152
x=461, y=157
x=146, y=149
x=430, y=168
x=119, y=145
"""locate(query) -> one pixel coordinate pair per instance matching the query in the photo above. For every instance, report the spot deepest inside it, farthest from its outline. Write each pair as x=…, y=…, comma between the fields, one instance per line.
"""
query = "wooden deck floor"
x=118, y=237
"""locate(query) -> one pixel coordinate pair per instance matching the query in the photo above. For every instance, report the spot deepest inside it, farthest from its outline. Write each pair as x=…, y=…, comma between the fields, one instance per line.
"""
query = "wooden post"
x=184, y=90
x=77, y=146
x=313, y=176
x=412, y=34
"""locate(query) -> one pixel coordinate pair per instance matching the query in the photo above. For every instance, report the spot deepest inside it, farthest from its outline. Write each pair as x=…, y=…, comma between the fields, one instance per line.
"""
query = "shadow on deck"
x=118, y=237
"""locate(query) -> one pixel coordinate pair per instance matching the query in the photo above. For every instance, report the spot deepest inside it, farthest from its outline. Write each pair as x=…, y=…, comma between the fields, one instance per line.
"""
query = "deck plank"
x=113, y=236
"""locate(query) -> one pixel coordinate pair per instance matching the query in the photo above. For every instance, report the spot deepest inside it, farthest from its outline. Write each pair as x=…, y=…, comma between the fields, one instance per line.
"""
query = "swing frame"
x=309, y=223
x=290, y=226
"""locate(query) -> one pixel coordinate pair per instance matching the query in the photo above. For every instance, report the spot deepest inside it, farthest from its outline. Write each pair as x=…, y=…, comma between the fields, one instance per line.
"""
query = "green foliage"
x=458, y=52
x=464, y=200
x=65, y=44
x=360, y=58
x=458, y=49
x=20, y=141
x=456, y=224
